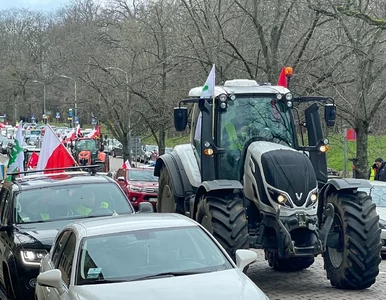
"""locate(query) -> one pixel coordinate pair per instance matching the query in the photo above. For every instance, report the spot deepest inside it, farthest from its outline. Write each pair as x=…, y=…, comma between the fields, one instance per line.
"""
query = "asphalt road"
x=307, y=284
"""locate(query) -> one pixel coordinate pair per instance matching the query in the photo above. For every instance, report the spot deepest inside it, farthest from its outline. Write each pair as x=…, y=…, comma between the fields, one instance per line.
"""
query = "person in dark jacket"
x=380, y=174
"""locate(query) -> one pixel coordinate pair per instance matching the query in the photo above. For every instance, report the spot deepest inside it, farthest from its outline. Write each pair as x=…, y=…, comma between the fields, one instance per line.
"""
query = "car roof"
x=58, y=179
x=115, y=224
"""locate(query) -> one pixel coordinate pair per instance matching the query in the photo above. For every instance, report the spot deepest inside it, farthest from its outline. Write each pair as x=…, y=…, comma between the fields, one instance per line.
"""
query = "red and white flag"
x=77, y=132
x=33, y=160
x=126, y=165
x=53, y=154
x=95, y=133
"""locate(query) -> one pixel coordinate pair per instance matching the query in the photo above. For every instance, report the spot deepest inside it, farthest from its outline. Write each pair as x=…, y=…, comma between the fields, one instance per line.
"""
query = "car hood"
x=382, y=213
x=144, y=184
x=39, y=235
x=223, y=285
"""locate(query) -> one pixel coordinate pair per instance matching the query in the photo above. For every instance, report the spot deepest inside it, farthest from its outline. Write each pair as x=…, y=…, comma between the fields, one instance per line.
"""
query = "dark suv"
x=34, y=208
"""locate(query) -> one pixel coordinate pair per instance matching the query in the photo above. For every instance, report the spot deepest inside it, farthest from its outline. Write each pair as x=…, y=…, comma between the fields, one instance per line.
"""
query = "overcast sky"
x=46, y=5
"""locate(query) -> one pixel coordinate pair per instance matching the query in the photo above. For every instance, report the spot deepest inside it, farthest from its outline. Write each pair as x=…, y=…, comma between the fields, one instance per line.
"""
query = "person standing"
x=380, y=173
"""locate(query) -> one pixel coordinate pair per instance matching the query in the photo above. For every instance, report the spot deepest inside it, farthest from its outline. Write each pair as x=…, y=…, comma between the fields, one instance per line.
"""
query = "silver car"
x=144, y=256
x=378, y=193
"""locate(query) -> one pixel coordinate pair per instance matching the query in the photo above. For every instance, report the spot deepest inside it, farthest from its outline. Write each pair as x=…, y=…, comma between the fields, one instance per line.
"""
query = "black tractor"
x=247, y=178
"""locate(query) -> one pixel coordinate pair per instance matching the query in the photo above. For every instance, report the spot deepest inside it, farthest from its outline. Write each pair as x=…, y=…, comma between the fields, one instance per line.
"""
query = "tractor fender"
x=173, y=164
x=339, y=184
x=102, y=156
x=215, y=185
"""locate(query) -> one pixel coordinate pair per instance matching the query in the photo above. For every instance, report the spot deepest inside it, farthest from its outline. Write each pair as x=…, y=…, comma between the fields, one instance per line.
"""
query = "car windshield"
x=378, y=194
x=53, y=203
x=142, y=175
x=143, y=254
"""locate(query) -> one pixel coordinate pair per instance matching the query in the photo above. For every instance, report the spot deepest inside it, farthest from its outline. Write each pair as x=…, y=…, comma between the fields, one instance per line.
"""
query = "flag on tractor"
x=16, y=157
x=126, y=165
x=33, y=160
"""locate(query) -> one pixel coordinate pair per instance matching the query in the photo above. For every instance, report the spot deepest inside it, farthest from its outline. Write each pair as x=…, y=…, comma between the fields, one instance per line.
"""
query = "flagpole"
x=345, y=153
x=213, y=104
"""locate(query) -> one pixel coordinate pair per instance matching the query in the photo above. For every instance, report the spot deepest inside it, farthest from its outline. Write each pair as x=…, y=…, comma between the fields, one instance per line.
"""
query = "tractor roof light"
x=289, y=104
x=289, y=71
x=288, y=96
x=325, y=141
x=223, y=97
x=233, y=97
x=279, y=96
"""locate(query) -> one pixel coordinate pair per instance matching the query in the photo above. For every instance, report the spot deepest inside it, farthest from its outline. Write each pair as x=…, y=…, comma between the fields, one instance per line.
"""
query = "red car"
x=139, y=185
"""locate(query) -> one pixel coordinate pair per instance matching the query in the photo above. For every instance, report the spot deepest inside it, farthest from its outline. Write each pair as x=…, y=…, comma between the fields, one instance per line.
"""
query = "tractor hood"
x=285, y=169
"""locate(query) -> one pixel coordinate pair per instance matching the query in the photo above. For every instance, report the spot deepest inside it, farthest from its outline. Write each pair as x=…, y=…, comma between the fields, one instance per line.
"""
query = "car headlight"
x=135, y=188
x=382, y=224
x=32, y=257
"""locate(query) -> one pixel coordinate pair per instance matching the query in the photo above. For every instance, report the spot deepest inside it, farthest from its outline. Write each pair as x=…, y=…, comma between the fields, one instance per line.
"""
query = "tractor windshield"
x=250, y=118
x=90, y=145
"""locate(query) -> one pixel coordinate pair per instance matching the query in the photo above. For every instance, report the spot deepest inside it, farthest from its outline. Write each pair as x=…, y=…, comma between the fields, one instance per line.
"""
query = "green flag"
x=16, y=157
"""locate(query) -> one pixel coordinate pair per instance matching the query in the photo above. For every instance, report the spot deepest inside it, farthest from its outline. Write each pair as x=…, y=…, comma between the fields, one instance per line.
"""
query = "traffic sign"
x=76, y=120
x=57, y=115
x=44, y=116
x=70, y=112
x=33, y=117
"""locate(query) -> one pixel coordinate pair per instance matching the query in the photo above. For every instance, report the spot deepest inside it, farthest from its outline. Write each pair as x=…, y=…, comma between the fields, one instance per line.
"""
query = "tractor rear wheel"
x=354, y=264
x=289, y=264
x=167, y=202
x=225, y=217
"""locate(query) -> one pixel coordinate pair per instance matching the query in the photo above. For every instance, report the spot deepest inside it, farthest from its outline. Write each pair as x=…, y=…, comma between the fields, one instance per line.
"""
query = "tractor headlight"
x=32, y=257
x=279, y=197
x=279, y=96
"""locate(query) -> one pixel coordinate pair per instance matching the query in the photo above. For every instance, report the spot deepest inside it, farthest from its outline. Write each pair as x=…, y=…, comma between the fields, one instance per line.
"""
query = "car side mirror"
x=51, y=278
x=244, y=258
x=180, y=118
x=145, y=207
x=121, y=178
x=330, y=114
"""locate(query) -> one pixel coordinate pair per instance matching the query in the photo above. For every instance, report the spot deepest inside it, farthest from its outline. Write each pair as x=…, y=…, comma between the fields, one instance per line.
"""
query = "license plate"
x=153, y=199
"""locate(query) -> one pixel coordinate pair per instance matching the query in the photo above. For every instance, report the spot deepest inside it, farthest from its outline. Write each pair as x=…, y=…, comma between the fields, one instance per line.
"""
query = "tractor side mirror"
x=330, y=114
x=180, y=118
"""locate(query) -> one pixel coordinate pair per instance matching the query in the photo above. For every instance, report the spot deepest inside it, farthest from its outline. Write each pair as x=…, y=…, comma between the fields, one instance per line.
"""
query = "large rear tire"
x=225, y=217
x=289, y=264
x=355, y=263
x=167, y=202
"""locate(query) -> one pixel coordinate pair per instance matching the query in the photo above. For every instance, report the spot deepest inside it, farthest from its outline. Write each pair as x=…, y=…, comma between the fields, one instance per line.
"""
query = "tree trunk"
x=361, y=166
x=161, y=141
x=125, y=149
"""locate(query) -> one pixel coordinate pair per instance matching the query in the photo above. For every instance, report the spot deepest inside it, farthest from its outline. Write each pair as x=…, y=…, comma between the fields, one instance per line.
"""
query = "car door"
x=65, y=263
x=61, y=241
x=4, y=238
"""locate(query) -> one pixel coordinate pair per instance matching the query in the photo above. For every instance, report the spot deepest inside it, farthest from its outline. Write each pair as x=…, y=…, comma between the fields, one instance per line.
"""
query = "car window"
x=131, y=255
x=66, y=259
x=53, y=203
x=378, y=194
x=142, y=175
x=59, y=245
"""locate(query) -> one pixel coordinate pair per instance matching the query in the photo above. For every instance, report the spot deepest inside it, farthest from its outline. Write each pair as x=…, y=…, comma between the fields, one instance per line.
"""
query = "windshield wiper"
x=168, y=274
x=101, y=281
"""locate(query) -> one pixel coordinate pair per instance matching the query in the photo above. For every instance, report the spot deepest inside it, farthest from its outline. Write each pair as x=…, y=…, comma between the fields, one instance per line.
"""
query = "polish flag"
x=126, y=165
x=95, y=133
x=282, y=78
x=53, y=154
x=77, y=132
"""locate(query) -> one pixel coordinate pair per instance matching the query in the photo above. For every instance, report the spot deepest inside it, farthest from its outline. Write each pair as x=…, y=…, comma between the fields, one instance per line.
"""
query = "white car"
x=144, y=256
x=378, y=194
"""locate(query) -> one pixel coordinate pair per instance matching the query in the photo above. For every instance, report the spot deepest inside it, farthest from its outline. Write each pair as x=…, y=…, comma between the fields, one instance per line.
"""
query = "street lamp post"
x=128, y=100
x=44, y=99
x=76, y=103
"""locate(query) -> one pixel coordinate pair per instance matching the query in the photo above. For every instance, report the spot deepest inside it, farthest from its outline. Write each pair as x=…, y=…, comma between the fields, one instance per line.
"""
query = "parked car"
x=139, y=184
x=146, y=256
x=35, y=207
x=378, y=194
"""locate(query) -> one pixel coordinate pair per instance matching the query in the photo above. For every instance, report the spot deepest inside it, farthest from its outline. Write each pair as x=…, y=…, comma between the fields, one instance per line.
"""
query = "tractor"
x=250, y=179
x=89, y=151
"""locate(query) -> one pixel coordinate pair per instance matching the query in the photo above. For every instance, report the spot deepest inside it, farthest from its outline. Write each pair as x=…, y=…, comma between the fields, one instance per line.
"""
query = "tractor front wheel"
x=225, y=217
x=354, y=261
